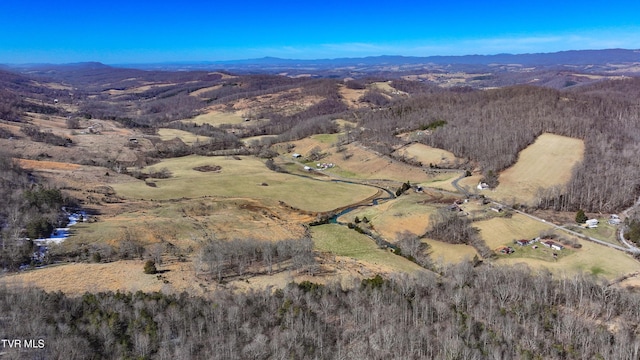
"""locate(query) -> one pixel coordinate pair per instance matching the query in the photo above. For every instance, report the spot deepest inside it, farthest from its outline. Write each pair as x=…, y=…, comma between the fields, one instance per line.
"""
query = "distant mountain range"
x=572, y=57
x=576, y=60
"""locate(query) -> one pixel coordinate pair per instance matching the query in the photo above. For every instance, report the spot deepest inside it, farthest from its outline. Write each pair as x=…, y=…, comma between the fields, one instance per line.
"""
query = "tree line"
x=491, y=127
x=31, y=209
x=461, y=313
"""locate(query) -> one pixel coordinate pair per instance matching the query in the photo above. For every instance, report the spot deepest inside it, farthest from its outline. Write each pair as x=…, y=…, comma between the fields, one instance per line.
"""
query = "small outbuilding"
x=592, y=223
x=614, y=220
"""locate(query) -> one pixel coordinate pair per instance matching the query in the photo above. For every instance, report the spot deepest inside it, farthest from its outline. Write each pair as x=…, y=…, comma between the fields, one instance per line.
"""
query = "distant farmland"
x=243, y=177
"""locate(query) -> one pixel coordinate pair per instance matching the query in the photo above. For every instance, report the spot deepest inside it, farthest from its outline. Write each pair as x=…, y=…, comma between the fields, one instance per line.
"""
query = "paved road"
x=629, y=248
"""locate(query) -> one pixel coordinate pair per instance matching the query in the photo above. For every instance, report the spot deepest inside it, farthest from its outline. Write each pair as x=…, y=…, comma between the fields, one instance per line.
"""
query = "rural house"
x=548, y=243
x=556, y=246
x=592, y=223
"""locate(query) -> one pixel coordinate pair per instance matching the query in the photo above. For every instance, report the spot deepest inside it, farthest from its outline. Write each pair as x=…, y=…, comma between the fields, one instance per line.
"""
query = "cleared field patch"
x=604, y=232
x=204, y=90
x=442, y=181
x=470, y=183
x=351, y=97
x=546, y=163
x=244, y=177
x=359, y=163
x=444, y=253
x=339, y=240
x=185, y=136
x=216, y=118
x=427, y=154
x=386, y=87
x=591, y=258
x=326, y=138
x=501, y=231
x=367, y=165
x=46, y=165
x=344, y=124
x=182, y=223
x=406, y=213
x=126, y=276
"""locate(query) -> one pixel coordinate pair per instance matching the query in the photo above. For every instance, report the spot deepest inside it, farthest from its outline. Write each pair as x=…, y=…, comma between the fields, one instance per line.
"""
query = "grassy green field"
x=326, y=138
x=604, y=232
x=341, y=241
x=591, y=258
x=501, y=231
x=243, y=178
x=405, y=213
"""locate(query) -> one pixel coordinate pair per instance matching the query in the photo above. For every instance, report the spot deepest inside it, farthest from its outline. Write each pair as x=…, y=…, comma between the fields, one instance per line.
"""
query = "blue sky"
x=133, y=31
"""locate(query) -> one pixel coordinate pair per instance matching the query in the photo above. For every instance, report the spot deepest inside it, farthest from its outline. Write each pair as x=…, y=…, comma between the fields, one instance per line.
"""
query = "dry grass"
x=185, y=136
x=409, y=212
x=243, y=178
x=137, y=90
x=546, y=163
x=444, y=253
x=76, y=279
x=501, y=231
x=204, y=90
x=362, y=163
x=341, y=241
x=183, y=222
x=591, y=258
x=443, y=181
x=46, y=165
x=217, y=118
x=427, y=154
x=344, y=124
x=351, y=97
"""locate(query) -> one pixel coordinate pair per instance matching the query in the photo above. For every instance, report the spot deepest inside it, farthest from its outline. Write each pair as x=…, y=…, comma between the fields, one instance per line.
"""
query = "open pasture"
x=445, y=253
x=501, y=231
x=341, y=241
x=126, y=276
x=184, y=222
x=546, y=163
x=427, y=154
x=351, y=97
x=591, y=258
x=407, y=213
x=360, y=163
x=243, y=177
x=216, y=118
x=185, y=136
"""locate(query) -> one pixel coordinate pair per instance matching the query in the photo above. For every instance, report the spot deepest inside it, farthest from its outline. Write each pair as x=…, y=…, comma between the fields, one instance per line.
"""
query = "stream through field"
x=58, y=235
x=374, y=202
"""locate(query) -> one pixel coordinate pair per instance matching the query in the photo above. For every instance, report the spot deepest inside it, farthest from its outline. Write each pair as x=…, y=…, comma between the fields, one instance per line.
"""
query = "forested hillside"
x=490, y=127
x=465, y=313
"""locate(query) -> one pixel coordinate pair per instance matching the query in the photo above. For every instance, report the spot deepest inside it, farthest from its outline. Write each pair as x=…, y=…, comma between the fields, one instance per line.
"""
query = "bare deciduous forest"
x=490, y=127
x=472, y=310
x=464, y=313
